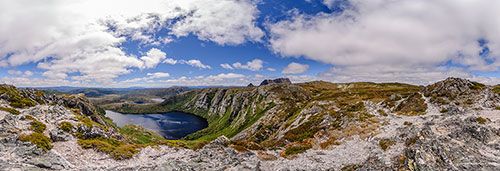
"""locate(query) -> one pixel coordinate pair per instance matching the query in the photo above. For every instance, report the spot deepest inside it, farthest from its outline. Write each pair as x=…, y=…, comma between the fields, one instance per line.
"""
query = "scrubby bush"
x=38, y=139
x=291, y=150
x=386, y=143
x=66, y=126
x=10, y=110
x=114, y=148
x=38, y=126
x=199, y=145
x=481, y=120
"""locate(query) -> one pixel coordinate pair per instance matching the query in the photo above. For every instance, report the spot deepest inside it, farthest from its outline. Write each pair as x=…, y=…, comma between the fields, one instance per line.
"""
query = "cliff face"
x=450, y=125
x=408, y=123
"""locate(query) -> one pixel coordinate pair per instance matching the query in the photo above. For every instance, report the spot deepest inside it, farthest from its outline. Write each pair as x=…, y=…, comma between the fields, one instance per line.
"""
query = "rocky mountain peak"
x=276, y=81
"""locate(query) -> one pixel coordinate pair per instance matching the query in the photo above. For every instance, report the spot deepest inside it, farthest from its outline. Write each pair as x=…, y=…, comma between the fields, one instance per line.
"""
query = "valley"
x=452, y=124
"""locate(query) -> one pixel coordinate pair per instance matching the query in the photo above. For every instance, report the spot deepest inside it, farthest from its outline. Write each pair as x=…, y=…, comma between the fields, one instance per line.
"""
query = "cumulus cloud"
x=20, y=73
x=150, y=77
x=411, y=39
x=220, y=79
x=153, y=57
x=158, y=75
x=254, y=65
x=196, y=63
x=84, y=38
x=170, y=61
x=192, y=62
x=295, y=68
x=226, y=66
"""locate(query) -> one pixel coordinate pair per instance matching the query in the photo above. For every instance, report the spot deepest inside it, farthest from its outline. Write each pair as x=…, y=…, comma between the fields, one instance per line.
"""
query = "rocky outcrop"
x=276, y=81
x=309, y=126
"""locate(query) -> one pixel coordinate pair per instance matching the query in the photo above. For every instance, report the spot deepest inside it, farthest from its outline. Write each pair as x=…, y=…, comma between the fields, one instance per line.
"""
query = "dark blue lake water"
x=172, y=125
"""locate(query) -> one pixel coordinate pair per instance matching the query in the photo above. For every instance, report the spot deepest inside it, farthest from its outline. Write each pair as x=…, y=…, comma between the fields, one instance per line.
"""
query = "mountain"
x=452, y=124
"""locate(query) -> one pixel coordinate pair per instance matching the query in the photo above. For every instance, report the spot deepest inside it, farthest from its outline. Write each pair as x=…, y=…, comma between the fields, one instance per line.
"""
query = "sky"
x=163, y=43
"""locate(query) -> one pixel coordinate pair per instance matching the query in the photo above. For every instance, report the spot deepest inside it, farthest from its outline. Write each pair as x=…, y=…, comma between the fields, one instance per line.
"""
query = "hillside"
x=453, y=124
x=402, y=120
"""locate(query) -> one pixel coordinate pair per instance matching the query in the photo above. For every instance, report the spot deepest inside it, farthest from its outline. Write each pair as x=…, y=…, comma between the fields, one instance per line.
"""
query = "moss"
x=412, y=140
x=386, y=143
x=38, y=139
x=351, y=167
x=291, y=150
x=407, y=123
x=360, y=106
x=66, y=126
x=381, y=112
x=246, y=144
x=477, y=86
x=481, y=120
x=413, y=105
x=305, y=130
x=38, y=126
x=496, y=89
x=239, y=148
x=497, y=107
x=469, y=101
x=140, y=134
x=330, y=141
x=444, y=110
x=10, y=110
x=114, y=148
x=199, y=145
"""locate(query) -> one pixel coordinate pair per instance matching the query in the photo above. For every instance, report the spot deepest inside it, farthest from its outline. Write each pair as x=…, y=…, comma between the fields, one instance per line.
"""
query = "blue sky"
x=213, y=42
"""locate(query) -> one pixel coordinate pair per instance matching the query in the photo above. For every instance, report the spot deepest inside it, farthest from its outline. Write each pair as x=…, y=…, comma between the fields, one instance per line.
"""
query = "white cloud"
x=226, y=66
x=271, y=69
x=225, y=76
x=158, y=75
x=170, y=61
x=377, y=40
x=295, y=68
x=150, y=78
x=153, y=57
x=20, y=73
x=83, y=38
x=192, y=62
x=28, y=74
x=14, y=72
x=196, y=63
x=254, y=65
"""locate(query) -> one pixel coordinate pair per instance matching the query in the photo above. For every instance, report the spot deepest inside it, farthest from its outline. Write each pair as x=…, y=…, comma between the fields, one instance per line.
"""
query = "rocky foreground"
x=450, y=125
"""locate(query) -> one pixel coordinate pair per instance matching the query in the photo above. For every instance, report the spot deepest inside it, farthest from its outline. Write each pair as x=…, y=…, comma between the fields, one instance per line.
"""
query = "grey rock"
x=276, y=81
x=59, y=135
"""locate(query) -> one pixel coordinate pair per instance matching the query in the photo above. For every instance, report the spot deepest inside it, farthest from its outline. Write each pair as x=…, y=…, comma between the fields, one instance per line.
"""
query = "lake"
x=172, y=125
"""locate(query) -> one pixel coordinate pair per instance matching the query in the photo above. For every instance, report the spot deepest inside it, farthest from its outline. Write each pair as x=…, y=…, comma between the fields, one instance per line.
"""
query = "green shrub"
x=444, y=110
x=10, y=110
x=296, y=149
x=66, y=126
x=38, y=139
x=114, y=148
x=38, y=126
x=481, y=120
x=140, y=134
x=351, y=167
x=386, y=143
x=199, y=145
x=408, y=123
